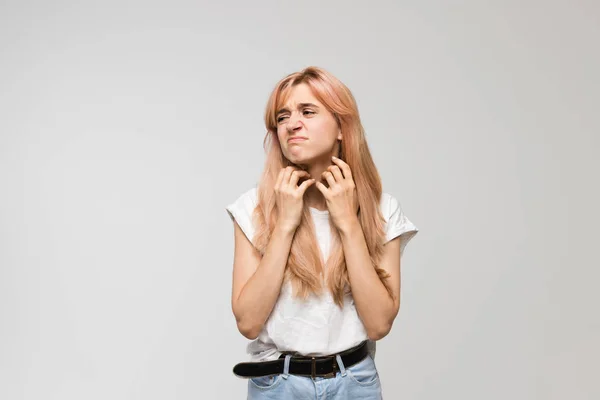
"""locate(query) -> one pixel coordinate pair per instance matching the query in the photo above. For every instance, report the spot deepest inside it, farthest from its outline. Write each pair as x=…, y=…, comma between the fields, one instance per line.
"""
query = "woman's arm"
x=376, y=308
x=257, y=282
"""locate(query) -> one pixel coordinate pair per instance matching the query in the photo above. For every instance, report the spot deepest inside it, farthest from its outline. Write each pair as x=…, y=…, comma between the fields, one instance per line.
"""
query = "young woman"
x=316, y=274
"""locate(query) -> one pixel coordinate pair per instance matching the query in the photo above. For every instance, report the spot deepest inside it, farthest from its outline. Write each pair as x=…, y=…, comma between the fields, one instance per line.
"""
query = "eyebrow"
x=300, y=105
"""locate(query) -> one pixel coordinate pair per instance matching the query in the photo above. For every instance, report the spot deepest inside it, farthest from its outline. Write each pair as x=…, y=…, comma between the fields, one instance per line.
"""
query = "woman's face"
x=313, y=130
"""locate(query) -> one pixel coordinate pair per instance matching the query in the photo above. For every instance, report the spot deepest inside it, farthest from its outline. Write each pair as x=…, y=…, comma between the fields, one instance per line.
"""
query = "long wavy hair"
x=305, y=268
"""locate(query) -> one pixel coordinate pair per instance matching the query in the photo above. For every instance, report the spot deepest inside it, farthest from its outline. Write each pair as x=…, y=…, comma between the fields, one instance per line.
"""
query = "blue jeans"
x=359, y=381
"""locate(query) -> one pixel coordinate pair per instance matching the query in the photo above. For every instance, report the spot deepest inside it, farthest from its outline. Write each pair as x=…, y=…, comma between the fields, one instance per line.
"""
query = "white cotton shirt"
x=315, y=326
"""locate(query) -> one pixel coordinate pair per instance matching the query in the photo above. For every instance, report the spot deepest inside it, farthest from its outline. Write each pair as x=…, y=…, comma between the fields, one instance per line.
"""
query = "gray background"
x=126, y=127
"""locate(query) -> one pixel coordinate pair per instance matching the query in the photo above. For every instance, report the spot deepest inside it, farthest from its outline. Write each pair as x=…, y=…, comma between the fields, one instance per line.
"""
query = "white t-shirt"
x=316, y=326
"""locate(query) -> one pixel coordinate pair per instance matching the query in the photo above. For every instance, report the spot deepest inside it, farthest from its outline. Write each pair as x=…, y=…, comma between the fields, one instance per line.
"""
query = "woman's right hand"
x=289, y=196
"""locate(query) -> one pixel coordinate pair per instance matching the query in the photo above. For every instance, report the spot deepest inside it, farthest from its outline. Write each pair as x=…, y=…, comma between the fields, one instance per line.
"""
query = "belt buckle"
x=313, y=369
x=333, y=368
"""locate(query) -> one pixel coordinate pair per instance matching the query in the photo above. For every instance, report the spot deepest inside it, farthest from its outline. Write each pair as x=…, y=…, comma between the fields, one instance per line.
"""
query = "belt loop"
x=340, y=364
x=286, y=366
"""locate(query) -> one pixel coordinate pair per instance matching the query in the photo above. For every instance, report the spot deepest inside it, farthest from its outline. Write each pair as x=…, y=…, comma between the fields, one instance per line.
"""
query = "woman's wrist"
x=285, y=228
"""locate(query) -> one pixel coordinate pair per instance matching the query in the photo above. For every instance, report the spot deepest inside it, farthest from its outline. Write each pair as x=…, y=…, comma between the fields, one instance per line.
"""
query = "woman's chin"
x=298, y=160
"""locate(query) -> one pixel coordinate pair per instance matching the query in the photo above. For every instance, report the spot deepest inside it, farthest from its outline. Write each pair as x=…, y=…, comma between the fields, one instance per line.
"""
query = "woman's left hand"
x=341, y=197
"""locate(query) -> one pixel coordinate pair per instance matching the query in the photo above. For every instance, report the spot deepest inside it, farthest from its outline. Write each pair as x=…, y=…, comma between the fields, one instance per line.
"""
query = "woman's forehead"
x=297, y=94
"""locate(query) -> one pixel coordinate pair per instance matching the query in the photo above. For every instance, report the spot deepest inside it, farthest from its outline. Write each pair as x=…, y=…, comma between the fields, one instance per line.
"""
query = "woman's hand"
x=341, y=197
x=289, y=196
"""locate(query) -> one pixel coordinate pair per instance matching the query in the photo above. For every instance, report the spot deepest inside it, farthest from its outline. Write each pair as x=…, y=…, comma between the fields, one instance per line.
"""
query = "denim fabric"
x=360, y=381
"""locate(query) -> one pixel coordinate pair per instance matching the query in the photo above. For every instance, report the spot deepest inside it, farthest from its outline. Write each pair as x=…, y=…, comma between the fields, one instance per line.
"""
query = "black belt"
x=325, y=366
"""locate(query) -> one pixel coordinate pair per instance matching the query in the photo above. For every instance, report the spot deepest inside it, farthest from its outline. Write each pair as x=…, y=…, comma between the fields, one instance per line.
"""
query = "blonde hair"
x=305, y=264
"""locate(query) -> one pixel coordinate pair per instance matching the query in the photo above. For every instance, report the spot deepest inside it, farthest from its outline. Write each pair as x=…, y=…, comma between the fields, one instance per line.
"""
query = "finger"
x=345, y=167
x=322, y=188
x=337, y=173
x=296, y=176
x=329, y=177
x=302, y=188
x=286, y=175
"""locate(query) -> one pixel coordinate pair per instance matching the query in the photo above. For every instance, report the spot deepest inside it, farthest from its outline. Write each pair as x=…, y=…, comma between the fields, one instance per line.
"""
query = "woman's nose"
x=293, y=123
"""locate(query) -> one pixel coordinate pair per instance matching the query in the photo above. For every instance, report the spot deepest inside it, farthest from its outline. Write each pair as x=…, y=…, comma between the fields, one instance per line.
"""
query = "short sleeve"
x=241, y=211
x=397, y=224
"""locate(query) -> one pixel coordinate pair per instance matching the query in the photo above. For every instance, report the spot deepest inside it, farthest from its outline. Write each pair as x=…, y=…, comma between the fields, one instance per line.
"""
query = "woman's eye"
x=305, y=112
